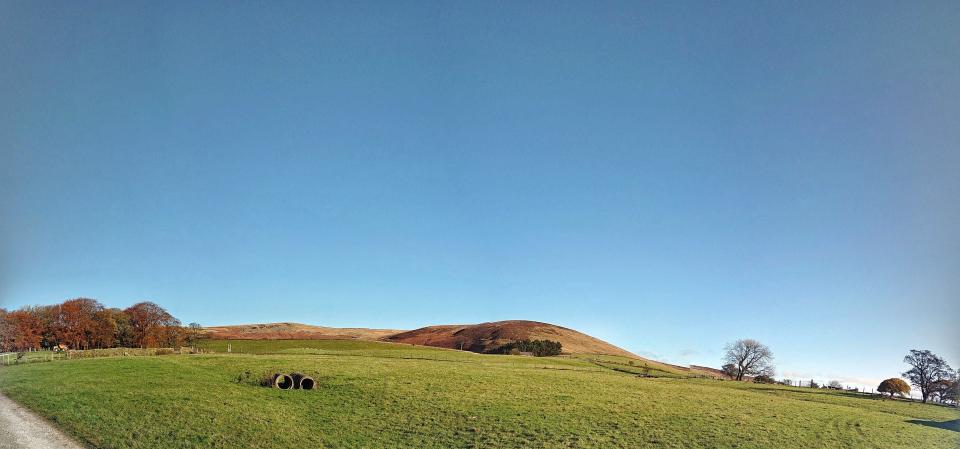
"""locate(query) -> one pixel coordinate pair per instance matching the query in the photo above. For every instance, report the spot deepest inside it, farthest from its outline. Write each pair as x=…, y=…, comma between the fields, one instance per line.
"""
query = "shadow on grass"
x=953, y=425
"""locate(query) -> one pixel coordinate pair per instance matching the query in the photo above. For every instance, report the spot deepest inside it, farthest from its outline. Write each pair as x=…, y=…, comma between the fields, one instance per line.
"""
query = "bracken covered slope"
x=485, y=337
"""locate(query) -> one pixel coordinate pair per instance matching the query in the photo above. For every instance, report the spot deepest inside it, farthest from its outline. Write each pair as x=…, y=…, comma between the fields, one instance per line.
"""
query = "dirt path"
x=22, y=429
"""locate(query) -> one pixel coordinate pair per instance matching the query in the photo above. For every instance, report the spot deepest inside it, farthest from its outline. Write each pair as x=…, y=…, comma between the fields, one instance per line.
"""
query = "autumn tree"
x=893, y=386
x=926, y=368
x=749, y=358
x=84, y=323
x=151, y=325
x=4, y=332
x=23, y=330
x=77, y=322
x=123, y=337
x=104, y=329
x=49, y=317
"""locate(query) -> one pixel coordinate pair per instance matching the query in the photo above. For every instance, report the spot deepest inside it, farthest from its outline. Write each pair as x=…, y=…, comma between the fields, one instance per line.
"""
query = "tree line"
x=84, y=323
x=539, y=348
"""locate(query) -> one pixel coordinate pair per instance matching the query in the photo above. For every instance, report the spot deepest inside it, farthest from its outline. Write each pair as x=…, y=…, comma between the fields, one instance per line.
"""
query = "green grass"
x=378, y=395
x=633, y=366
x=31, y=357
x=276, y=346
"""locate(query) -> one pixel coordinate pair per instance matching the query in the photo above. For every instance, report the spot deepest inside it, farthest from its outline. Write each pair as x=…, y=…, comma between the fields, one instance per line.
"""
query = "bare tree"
x=926, y=370
x=835, y=384
x=953, y=393
x=749, y=358
x=193, y=334
x=730, y=370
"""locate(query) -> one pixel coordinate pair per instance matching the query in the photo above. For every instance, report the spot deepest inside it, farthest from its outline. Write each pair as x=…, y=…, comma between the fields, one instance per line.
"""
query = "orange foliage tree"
x=84, y=323
x=893, y=386
x=77, y=323
x=152, y=326
x=24, y=331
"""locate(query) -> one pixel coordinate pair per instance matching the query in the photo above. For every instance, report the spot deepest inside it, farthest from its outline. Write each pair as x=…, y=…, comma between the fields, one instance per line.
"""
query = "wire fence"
x=854, y=389
x=16, y=358
x=45, y=355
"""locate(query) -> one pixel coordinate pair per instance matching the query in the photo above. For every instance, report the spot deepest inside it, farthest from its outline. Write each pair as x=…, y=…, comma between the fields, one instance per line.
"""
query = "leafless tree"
x=926, y=369
x=749, y=358
x=730, y=370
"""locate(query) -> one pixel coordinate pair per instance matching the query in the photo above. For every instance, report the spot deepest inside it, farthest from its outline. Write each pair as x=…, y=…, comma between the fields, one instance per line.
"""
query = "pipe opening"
x=307, y=383
x=282, y=381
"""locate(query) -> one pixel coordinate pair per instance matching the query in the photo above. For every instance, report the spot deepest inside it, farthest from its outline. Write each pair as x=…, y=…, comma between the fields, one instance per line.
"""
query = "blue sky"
x=667, y=176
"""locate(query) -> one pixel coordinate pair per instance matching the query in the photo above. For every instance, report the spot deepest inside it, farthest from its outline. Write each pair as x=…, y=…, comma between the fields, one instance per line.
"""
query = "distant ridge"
x=293, y=331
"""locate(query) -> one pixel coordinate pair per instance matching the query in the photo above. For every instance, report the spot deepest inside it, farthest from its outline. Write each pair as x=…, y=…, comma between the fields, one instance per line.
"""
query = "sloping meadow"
x=376, y=395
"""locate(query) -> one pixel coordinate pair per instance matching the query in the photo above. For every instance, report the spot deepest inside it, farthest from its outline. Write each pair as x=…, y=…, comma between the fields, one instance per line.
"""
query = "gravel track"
x=22, y=429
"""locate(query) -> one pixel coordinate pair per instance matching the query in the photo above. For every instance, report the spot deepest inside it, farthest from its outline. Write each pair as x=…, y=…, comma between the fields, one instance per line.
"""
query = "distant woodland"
x=84, y=323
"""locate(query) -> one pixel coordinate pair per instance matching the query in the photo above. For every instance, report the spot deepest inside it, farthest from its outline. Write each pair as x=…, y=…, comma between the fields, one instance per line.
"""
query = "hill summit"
x=487, y=337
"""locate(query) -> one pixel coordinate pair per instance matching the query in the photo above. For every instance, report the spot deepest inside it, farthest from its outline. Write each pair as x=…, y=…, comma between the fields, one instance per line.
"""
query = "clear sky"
x=667, y=176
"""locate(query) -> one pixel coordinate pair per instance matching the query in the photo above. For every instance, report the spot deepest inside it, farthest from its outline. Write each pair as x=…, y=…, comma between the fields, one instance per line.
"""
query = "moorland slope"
x=487, y=337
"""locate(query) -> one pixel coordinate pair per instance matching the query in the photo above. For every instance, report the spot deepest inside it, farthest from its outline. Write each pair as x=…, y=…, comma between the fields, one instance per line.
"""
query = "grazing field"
x=380, y=395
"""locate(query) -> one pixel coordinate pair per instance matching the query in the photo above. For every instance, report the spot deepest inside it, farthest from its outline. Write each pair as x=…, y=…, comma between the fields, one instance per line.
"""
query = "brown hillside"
x=486, y=337
x=293, y=331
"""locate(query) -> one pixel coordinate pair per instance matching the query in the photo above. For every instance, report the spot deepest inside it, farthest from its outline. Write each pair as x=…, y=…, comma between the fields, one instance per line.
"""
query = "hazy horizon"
x=665, y=177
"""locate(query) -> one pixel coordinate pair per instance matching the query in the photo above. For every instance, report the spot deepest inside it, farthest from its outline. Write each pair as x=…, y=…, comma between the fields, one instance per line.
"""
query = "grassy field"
x=10, y=358
x=377, y=395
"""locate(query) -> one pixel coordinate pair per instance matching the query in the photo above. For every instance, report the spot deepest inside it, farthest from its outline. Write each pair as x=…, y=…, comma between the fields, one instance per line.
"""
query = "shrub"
x=539, y=348
x=893, y=386
x=763, y=379
x=729, y=370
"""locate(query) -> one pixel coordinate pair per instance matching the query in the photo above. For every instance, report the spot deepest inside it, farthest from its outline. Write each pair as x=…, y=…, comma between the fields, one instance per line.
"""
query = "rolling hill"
x=486, y=337
x=481, y=338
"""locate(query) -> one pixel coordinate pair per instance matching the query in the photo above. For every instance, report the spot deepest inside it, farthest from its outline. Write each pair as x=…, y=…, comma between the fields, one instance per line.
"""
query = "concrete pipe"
x=282, y=381
x=306, y=383
x=302, y=381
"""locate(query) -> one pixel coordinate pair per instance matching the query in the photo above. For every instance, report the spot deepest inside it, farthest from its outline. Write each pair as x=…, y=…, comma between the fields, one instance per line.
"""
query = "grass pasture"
x=10, y=358
x=379, y=395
